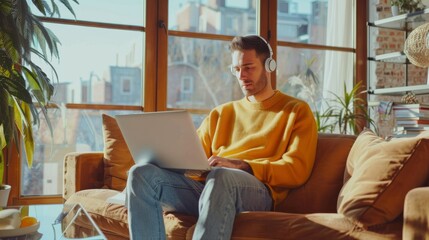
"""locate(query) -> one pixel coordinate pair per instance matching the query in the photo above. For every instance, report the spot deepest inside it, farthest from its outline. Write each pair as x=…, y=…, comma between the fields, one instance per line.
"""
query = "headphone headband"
x=268, y=45
x=270, y=63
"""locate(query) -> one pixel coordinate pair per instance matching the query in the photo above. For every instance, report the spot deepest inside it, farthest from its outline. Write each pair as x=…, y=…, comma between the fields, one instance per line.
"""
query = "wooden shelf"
x=405, y=22
x=393, y=57
x=400, y=91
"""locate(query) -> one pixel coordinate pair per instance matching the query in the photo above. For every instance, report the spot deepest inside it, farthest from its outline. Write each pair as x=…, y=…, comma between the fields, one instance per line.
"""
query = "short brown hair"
x=250, y=42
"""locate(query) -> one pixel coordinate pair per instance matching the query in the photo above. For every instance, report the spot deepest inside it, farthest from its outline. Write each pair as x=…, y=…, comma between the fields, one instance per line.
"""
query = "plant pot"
x=4, y=194
x=395, y=10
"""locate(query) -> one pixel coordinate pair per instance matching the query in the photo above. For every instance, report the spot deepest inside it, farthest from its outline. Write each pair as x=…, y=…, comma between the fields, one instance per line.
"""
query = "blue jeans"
x=152, y=190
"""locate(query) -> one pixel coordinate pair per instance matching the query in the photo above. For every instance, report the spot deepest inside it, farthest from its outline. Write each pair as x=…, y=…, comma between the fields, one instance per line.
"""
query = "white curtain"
x=340, y=32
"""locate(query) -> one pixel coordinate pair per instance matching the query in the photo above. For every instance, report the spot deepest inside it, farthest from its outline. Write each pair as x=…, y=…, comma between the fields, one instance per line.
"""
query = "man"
x=261, y=146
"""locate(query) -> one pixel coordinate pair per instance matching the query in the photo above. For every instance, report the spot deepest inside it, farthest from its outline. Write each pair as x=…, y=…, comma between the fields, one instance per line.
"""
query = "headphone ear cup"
x=270, y=64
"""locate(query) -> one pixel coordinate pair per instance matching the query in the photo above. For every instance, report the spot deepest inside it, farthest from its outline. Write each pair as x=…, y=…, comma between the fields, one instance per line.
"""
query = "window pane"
x=96, y=66
x=112, y=11
x=73, y=131
x=230, y=17
x=304, y=76
x=306, y=21
x=199, y=75
x=94, y=61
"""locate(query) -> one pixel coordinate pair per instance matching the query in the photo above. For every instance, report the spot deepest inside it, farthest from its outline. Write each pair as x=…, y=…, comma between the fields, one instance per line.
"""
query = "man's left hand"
x=216, y=161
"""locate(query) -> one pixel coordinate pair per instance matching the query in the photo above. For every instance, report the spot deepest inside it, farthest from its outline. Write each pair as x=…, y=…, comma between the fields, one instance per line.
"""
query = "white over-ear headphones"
x=270, y=63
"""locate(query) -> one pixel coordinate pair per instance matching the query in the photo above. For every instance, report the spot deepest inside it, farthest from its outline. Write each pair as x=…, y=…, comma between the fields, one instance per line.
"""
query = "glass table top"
x=59, y=222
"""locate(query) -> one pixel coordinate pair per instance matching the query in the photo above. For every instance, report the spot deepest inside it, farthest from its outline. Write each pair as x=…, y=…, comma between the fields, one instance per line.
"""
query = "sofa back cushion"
x=319, y=194
x=117, y=158
x=379, y=174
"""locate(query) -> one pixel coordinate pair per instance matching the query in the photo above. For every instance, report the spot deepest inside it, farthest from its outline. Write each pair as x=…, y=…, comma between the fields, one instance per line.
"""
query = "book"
x=418, y=127
x=404, y=135
x=402, y=131
x=411, y=110
x=410, y=131
x=411, y=114
x=414, y=106
x=412, y=122
x=411, y=118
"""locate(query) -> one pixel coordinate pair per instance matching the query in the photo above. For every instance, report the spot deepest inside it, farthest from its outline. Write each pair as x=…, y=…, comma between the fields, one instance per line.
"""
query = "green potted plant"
x=25, y=88
x=4, y=194
x=343, y=113
x=405, y=6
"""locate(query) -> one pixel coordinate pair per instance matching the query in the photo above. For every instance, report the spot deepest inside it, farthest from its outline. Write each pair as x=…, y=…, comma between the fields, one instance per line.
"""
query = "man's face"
x=250, y=72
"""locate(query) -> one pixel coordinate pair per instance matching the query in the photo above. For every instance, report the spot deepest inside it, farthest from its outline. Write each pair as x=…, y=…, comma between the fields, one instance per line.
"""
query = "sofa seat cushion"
x=279, y=225
x=379, y=174
x=112, y=219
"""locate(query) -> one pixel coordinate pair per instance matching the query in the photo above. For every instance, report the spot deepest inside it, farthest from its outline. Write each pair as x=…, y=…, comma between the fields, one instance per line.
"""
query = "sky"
x=84, y=49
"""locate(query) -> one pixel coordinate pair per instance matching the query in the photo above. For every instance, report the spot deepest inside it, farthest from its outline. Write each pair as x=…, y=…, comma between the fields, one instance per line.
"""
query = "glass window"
x=305, y=76
x=207, y=63
x=314, y=22
x=216, y=17
x=73, y=131
x=316, y=76
x=109, y=11
x=92, y=63
x=99, y=64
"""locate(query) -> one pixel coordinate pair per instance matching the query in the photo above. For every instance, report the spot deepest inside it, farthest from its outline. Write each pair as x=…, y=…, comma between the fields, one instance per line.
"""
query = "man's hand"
x=216, y=161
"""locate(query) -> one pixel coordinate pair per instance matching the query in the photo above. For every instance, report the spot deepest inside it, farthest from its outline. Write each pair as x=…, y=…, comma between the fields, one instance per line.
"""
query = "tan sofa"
x=358, y=189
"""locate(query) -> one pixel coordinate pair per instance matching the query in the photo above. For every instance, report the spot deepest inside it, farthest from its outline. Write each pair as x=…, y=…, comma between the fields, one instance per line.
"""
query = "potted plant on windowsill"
x=4, y=194
x=25, y=89
x=343, y=113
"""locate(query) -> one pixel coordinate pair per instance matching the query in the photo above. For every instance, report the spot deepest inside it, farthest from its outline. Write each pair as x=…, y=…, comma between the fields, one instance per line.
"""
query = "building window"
x=126, y=85
x=187, y=88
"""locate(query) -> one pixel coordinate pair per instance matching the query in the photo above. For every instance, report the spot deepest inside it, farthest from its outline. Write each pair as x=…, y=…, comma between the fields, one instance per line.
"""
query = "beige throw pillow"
x=379, y=173
x=117, y=157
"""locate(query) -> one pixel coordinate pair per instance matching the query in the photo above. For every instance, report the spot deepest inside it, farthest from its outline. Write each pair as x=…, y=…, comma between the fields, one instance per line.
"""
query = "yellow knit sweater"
x=277, y=137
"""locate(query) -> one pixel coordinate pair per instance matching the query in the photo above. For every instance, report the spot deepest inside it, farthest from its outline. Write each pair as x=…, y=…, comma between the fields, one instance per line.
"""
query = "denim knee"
x=143, y=171
x=223, y=176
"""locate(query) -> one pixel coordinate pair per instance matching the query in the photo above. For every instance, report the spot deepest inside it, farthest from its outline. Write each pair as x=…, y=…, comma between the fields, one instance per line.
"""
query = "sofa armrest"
x=416, y=214
x=82, y=171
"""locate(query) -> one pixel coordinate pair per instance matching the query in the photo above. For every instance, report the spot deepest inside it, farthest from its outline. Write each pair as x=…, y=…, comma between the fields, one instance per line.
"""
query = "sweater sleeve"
x=204, y=134
x=296, y=163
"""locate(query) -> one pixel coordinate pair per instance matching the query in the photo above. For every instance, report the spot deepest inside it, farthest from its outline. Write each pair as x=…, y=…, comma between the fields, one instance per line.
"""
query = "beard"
x=256, y=87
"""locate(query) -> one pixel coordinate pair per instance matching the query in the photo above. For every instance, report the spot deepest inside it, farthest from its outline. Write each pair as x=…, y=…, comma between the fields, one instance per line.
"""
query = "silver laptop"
x=167, y=139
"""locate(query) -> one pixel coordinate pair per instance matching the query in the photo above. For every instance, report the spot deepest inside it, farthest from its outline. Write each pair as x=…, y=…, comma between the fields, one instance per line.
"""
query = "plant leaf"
x=68, y=6
x=22, y=117
x=40, y=6
x=15, y=88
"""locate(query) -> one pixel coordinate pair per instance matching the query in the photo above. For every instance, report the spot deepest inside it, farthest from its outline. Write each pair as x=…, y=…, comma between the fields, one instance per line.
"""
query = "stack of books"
x=411, y=119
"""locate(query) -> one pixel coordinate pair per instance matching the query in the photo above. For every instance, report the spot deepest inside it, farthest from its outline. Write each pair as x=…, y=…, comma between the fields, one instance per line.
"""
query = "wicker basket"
x=416, y=46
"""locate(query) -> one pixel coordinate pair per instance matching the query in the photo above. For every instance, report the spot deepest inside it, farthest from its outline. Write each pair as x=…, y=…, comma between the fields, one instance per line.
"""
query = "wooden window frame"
x=155, y=77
